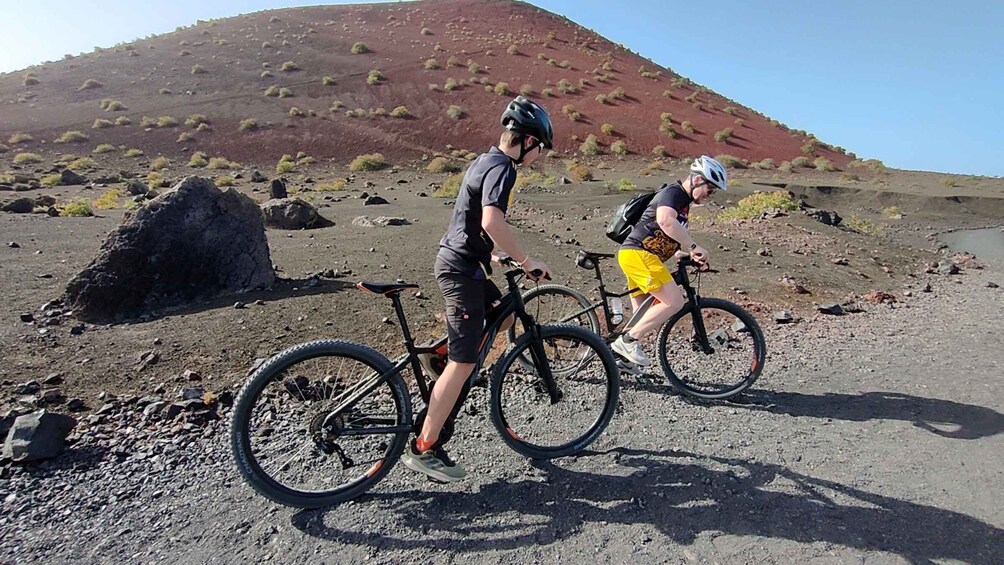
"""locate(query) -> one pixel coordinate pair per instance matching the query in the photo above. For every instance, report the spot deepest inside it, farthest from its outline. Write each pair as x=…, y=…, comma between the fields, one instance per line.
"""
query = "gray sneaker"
x=434, y=463
x=631, y=351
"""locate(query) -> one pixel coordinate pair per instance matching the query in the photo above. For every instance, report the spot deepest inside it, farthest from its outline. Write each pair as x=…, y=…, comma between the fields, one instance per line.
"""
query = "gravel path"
x=871, y=437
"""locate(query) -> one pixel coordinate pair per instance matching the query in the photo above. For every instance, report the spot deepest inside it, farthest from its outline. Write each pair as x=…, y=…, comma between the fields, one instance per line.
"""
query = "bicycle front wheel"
x=736, y=356
x=586, y=377
x=315, y=426
x=555, y=304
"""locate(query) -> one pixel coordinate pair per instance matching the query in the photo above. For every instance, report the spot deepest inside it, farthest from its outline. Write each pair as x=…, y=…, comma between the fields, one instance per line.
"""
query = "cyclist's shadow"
x=678, y=493
x=945, y=418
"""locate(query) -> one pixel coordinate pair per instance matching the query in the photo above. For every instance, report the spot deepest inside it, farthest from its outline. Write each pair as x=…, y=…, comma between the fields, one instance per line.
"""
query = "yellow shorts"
x=643, y=270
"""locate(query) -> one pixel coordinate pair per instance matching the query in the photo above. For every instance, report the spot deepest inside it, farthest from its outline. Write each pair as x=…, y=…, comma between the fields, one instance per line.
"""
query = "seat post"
x=395, y=297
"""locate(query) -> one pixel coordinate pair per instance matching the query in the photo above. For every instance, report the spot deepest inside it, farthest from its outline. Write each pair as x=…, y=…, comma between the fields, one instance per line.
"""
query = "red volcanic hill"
x=448, y=67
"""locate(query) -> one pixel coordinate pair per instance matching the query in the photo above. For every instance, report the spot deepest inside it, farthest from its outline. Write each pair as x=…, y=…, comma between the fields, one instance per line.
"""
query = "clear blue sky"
x=918, y=84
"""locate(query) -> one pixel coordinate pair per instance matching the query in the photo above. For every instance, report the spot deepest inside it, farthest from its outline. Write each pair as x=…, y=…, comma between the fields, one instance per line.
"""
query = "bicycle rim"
x=291, y=455
x=734, y=362
x=556, y=305
x=586, y=376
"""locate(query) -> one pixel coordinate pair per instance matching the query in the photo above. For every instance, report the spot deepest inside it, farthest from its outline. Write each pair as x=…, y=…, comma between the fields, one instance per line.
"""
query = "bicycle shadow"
x=679, y=498
x=948, y=419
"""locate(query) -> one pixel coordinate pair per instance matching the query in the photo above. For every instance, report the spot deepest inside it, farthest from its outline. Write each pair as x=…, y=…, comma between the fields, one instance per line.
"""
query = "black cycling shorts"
x=467, y=300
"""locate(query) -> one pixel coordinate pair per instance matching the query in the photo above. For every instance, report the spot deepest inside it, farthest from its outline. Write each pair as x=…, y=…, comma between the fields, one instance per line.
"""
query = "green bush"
x=160, y=163
x=374, y=77
x=295, y=112
x=687, y=127
x=359, y=48
x=450, y=187
x=272, y=91
x=72, y=137
x=590, y=146
x=102, y=124
x=166, y=122
x=565, y=86
x=123, y=121
x=328, y=81
x=526, y=90
x=660, y=151
x=442, y=165
x=824, y=164
x=285, y=93
x=195, y=120
x=570, y=111
x=862, y=225
x=104, y=148
x=617, y=94
x=453, y=62
x=473, y=68
x=455, y=112
x=759, y=202
x=607, y=128
x=601, y=98
x=109, y=105
x=765, y=164
x=623, y=184
x=667, y=129
x=198, y=160
x=77, y=208
x=432, y=64
x=369, y=162
x=4, y=148
x=580, y=172
x=19, y=137
x=248, y=124
x=400, y=112
x=547, y=93
x=618, y=148
x=89, y=84
x=723, y=135
x=335, y=185
x=225, y=181
x=800, y=162
x=199, y=70
x=55, y=179
x=512, y=50
x=289, y=66
x=133, y=152
x=222, y=163
x=426, y=31
x=109, y=199
x=502, y=89
x=286, y=164
x=730, y=161
x=731, y=110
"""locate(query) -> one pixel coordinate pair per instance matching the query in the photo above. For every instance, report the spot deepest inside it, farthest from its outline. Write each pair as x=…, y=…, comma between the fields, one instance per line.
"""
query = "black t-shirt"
x=488, y=182
x=673, y=196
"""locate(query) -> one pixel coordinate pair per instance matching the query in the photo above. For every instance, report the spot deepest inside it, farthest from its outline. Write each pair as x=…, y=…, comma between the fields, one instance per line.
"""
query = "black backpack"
x=627, y=215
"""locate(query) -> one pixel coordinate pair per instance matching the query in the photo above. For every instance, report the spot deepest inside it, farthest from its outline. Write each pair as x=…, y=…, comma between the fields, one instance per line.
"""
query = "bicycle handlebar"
x=518, y=269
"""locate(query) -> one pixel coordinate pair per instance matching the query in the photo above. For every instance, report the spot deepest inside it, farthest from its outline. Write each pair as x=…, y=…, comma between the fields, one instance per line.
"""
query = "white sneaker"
x=631, y=351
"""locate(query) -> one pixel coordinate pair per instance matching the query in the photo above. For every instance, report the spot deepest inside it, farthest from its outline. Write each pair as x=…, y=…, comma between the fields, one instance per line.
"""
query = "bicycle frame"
x=511, y=304
x=681, y=277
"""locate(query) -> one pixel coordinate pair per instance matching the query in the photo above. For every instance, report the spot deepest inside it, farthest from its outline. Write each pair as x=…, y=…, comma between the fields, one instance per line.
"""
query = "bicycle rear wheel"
x=737, y=355
x=295, y=439
x=587, y=380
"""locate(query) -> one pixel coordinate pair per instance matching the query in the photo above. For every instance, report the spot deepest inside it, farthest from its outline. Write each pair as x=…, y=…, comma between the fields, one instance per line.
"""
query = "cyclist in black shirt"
x=656, y=238
x=476, y=228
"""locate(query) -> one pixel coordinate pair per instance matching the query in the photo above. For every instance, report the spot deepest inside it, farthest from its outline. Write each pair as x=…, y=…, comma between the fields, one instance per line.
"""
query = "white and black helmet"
x=711, y=170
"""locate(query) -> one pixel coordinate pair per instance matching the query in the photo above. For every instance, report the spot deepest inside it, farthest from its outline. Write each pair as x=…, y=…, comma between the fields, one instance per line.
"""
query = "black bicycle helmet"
x=522, y=115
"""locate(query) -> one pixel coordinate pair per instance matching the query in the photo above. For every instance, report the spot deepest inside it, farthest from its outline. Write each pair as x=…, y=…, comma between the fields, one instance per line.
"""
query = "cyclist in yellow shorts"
x=655, y=239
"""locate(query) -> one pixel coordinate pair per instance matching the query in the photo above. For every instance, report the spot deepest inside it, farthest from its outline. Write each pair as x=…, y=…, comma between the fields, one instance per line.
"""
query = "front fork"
x=700, y=333
x=539, y=357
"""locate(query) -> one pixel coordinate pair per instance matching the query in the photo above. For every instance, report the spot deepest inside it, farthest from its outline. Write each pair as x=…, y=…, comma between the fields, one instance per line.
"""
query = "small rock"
x=13, y=245
x=192, y=393
x=37, y=436
x=154, y=408
x=239, y=305
x=190, y=375
x=783, y=317
x=107, y=408
x=52, y=396
x=77, y=329
x=256, y=176
x=764, y=252
x=738, y=326
x=833, y=309
x=842, y=261
x=30, y=387
x=53, y=379
x=75, y=404
x=375, y=200
x=27, y=318
x=992, y=284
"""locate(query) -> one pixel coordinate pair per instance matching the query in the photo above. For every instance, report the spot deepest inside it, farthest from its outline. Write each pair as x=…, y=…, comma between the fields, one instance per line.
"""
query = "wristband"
x=523, y=262
x=693, y=246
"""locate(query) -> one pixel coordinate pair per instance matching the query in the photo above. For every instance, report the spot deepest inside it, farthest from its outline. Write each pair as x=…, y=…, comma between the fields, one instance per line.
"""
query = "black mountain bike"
x=711, y=349
x=322, y=422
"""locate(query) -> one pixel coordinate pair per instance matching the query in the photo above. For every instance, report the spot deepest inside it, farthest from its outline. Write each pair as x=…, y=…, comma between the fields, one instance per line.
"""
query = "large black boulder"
x=192, y=243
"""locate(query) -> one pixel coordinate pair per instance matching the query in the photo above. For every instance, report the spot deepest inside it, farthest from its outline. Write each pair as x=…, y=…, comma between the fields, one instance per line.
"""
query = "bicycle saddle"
x=384, y=289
